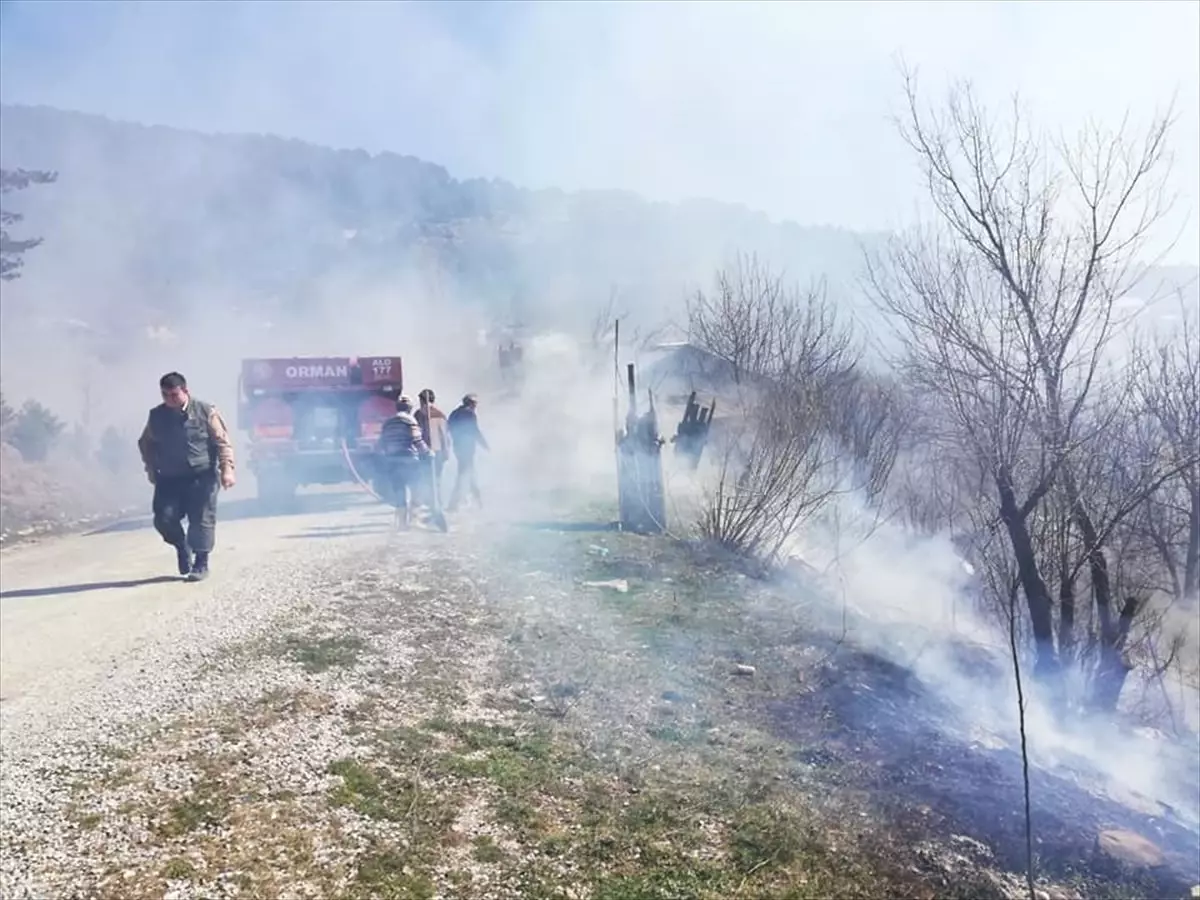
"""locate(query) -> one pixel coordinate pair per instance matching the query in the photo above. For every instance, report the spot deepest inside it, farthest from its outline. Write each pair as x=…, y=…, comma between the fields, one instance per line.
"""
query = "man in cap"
x=466, y=437
x=436, y=432
x=188, y=456
x=402, y=447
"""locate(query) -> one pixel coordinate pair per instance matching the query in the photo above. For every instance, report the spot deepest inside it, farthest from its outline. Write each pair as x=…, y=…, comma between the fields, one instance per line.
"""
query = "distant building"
x=673, y=370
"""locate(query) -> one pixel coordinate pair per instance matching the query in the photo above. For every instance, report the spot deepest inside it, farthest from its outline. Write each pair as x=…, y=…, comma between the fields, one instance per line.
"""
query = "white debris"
x=620, y=585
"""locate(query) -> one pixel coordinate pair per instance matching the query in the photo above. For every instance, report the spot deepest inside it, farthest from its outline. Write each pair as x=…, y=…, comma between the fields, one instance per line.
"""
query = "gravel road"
x=98, y=635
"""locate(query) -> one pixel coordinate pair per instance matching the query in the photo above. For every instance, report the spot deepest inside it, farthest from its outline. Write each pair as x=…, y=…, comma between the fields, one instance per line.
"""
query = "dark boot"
x=199, y=568
x=183, y=557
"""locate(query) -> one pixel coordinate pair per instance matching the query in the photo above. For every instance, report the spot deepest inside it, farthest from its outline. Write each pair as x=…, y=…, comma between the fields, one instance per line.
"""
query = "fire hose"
x=439, y=516
x=354, y=471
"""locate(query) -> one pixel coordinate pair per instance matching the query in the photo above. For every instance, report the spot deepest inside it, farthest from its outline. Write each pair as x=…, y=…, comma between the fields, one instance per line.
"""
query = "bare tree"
x=1102, y=492
x=961, y=344
x=764, y=328
x=806, y=421
x=936, y=480
x=866, y=417
x=1009, y=305
x=604, y=329
x=776, y=467
x=604, y=324
x=1168, y=380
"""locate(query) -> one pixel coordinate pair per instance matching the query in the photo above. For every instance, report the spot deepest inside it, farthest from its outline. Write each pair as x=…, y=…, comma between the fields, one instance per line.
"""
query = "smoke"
x=910, y=599
x=167, y=251
x=915, y=602
x=782, y=107
x=549, y=96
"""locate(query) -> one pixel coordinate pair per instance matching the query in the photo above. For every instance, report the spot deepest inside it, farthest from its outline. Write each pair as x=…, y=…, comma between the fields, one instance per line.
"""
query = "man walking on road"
x=188, y=456
x=465, y=438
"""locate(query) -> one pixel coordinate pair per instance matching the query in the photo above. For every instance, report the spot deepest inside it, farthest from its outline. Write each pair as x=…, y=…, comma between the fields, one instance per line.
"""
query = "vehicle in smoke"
x=511, y=357
x=509, y=341
x=314, y=420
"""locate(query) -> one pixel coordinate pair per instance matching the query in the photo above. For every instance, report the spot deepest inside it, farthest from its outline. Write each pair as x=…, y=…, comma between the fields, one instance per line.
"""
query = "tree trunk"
x=1113, y=668
x=1191, y=567
x=1066, y=612
x=1036, y=596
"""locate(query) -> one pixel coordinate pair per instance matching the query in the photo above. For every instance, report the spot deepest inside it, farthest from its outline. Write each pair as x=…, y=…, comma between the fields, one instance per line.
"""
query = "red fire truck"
x=304, y=415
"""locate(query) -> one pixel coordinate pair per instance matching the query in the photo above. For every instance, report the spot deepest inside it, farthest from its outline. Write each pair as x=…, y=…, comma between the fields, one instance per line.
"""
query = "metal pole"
x=616, y=411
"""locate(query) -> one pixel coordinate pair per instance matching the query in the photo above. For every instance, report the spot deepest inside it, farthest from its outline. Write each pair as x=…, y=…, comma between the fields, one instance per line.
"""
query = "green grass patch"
x=205, y=807
x=424, y=814
x=516, y=761
x=405, y=744
x=320, y=654
x=88, y=821
x=372, y=792
x=486, y=850
x=700, y=883
x=675, y=733
x=391, y=874
x=767, y=836
x=521, y=816
x=177, y=869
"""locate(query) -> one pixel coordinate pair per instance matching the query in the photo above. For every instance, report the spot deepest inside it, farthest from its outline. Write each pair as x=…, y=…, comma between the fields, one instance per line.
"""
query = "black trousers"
x=189, y=496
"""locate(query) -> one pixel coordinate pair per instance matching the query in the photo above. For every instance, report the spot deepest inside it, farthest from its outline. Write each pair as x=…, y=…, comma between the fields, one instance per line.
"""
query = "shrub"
x=34, y=432
x=114, y=451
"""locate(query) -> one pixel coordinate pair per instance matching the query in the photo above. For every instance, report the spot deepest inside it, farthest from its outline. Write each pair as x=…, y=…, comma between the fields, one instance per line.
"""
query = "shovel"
x=436, y=515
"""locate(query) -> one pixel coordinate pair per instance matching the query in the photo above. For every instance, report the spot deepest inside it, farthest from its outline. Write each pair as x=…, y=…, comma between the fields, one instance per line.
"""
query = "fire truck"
x=306, y=418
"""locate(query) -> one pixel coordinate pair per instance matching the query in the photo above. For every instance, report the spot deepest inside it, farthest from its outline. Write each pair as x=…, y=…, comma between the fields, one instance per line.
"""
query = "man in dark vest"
x=188, y=457
x=465, y=438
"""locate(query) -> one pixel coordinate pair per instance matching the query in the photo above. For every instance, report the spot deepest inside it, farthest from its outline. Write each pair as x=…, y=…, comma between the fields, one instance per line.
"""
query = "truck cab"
x=309, y=419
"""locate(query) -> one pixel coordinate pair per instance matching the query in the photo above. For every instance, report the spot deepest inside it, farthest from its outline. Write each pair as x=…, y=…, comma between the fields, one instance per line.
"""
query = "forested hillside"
x=155, y=214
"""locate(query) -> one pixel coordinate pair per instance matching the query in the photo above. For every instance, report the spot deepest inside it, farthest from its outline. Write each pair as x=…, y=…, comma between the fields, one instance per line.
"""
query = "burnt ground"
x=880, y=729
x=867, y=732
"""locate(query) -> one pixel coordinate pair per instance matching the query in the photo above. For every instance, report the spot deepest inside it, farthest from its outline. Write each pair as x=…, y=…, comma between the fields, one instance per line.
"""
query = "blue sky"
x=781, y=106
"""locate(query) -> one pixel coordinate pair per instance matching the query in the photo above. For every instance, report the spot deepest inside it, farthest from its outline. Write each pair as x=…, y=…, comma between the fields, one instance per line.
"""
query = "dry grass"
x=51, y=496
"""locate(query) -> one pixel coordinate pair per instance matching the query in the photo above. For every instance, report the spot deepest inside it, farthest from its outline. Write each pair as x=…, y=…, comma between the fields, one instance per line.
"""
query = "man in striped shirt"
x=402, y=448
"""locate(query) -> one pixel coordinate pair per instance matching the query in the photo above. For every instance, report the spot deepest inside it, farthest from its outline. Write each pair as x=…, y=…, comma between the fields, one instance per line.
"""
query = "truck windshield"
x=319, y=420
